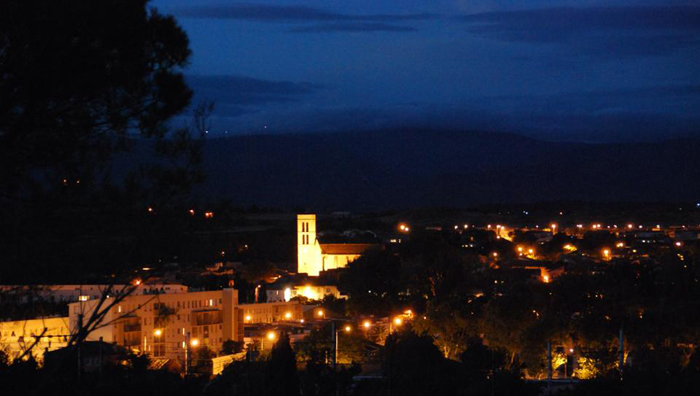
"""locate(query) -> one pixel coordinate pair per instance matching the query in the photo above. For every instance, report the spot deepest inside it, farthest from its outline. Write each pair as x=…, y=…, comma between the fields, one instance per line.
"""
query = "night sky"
x=612, y=70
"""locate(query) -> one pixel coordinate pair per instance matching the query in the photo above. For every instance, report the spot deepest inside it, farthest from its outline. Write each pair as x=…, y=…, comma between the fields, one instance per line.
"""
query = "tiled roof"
x=345, y=248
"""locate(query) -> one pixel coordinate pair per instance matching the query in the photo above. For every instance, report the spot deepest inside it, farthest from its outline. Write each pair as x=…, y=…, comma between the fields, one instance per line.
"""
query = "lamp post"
x=337, y=333
x=270, y=336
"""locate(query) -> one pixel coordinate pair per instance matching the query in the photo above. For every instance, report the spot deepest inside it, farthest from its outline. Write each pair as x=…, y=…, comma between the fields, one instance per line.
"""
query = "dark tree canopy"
x=88, y=91
x=78, y=77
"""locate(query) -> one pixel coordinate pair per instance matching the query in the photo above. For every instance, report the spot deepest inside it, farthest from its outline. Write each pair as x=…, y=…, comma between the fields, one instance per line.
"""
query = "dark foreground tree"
x=282, y=377
x=87, y=90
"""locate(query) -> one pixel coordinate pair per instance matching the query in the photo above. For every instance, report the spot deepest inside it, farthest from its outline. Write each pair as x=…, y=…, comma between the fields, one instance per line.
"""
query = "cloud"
x=353, y=27
x=237, y=95
x=606, y=31
x=288, y=14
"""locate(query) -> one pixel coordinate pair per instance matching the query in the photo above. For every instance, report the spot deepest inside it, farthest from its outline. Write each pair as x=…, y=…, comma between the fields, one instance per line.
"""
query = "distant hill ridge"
x=398, y=169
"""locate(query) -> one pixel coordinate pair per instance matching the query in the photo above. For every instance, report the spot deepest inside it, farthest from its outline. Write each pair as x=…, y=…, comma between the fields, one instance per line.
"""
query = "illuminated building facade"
x=272, y=312
x=313, y=257
x=159, y=324
x=41, y=335
x=312, y=292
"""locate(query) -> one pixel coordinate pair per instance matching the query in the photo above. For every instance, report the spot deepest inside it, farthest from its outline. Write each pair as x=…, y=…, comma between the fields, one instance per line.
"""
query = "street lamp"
x=270, y=336
x=366, y=324
x=347, y=329
x=157, y=332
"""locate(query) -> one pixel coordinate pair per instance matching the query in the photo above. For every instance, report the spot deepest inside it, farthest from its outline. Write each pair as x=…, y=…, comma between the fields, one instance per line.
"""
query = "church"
x=315, y=256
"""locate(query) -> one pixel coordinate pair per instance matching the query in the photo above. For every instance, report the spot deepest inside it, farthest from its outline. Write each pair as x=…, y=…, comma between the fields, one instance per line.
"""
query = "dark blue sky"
x=588, y=70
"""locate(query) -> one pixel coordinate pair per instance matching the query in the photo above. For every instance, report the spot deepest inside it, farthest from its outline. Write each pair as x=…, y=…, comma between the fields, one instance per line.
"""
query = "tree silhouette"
x=86, y=145
x=282, y=369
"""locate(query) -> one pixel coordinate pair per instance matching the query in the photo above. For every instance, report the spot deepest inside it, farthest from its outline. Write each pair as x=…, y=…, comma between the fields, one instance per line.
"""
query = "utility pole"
x=187, y=353
x=80, y=344
x=335, y=350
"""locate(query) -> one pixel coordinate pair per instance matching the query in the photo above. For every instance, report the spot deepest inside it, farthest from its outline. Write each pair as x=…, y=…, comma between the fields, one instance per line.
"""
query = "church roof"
x=345, y=248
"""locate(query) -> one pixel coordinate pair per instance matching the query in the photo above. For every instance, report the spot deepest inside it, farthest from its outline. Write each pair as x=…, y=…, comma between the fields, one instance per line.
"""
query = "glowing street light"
x=320, y=313
x=194, y=342
x=606, y=253
x=398, y=321
x=367, y=324
x=271, y=336
x=288, y=315
x=545, y=278
x=248, y=318
x=157, y=332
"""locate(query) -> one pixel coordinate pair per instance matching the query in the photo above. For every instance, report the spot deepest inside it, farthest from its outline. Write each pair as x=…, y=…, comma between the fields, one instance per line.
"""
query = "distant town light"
x=191, y=212
x=679, y=244
x=194, y=342
x=271, y=335
x=367, y=324
x=157, y=332
x=320, y=312
x=248, y=318
x=545, y=278
x=209, y=215
x=288, y=315
x=398, y=321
